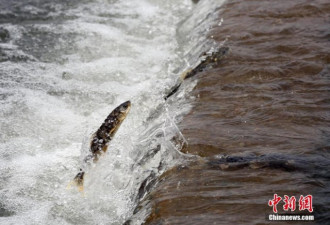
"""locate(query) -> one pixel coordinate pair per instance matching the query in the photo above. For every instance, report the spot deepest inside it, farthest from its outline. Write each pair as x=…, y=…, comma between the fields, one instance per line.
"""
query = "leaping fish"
x=208, y=59
x=101, y=138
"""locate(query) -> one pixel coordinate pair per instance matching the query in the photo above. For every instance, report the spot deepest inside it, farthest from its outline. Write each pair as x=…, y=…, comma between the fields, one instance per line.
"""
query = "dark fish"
x=208, y=59
x=102, y=137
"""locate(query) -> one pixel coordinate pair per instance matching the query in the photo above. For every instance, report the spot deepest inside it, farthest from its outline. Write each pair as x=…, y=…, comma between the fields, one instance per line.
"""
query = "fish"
x=101, y=138
x=207, y=60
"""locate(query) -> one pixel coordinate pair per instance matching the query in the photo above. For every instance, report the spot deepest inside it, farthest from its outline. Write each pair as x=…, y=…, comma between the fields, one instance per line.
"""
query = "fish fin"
x=78, y=181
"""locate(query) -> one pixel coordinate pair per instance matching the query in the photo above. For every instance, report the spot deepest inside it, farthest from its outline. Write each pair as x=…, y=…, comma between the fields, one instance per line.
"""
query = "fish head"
x=122, y=110
x=109, y=127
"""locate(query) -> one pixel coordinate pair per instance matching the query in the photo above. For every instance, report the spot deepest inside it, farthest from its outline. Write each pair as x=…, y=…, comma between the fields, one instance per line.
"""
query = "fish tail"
x=78, y=181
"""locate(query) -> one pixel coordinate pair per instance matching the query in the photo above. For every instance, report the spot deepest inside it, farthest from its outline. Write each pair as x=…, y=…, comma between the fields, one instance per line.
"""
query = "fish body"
x=102, y=137
x=208, y=59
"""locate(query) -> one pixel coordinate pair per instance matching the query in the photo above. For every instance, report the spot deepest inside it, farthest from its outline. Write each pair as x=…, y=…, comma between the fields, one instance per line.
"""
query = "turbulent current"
x=64, y=66
x=250, y=121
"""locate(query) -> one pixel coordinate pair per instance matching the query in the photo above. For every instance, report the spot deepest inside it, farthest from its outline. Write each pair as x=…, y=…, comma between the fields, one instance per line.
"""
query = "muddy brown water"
x=268, y=98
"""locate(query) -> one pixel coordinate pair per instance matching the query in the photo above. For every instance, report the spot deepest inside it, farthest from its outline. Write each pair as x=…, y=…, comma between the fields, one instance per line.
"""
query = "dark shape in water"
x=255, y=162
x=4, y=35
x=146, y=185
x=5, y=212
x=209, y=59
x=102, y=137
x=151, y=153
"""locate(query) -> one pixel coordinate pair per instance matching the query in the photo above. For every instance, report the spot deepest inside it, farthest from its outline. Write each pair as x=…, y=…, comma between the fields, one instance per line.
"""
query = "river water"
x=65, y=65
x=260, y=123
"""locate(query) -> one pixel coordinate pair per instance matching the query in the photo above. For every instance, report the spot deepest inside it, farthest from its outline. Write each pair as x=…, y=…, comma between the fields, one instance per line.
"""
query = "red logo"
x=274, y=202
x=306, y=203
x=290, y=203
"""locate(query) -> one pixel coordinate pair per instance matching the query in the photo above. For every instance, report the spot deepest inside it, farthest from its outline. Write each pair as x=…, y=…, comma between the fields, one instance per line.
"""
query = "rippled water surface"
x=266, y=106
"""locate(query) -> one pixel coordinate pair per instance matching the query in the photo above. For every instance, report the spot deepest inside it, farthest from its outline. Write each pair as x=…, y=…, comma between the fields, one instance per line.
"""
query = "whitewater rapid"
x=64, y=68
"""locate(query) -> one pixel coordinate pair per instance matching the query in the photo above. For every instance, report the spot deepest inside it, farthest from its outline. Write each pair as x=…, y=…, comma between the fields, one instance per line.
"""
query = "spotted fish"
x=102, y=137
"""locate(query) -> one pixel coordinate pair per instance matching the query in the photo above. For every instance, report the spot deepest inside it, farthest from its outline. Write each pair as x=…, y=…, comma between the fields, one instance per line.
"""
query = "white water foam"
x=57, y=92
